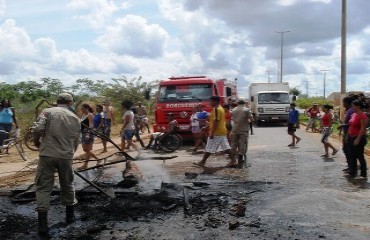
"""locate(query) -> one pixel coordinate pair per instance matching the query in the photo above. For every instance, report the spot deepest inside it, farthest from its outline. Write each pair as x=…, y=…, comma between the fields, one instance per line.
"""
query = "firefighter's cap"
x=65, y=97
x=241, y=100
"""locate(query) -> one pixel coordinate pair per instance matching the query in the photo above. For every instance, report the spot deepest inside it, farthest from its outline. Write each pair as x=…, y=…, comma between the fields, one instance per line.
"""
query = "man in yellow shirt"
x=217, y=137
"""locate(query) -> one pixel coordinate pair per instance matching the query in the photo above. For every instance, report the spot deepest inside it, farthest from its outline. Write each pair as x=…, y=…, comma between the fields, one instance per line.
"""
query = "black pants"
x=345, y=145
x=356, y=152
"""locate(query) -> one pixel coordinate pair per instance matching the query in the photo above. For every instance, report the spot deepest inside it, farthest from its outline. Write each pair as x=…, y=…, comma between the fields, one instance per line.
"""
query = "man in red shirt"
x=313, y=112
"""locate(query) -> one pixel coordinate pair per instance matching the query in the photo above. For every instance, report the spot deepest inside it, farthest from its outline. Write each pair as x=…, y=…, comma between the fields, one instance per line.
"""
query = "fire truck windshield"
x=185, y=93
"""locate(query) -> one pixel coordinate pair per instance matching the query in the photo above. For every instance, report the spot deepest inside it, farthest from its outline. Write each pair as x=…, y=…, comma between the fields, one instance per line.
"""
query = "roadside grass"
x=304, y=119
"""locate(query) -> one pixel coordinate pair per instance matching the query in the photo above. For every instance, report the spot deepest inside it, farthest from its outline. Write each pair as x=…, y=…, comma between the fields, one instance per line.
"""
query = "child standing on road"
x=326, y=130
x=293, y=124
x=313, y=113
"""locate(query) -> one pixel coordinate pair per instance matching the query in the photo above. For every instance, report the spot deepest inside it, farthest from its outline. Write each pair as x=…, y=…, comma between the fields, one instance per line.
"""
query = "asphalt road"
x=287, y=193
x=314, y=192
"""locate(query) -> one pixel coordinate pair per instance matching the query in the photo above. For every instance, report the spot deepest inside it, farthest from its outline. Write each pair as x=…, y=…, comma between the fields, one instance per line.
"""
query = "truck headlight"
x=287, y=109
x=260, y=110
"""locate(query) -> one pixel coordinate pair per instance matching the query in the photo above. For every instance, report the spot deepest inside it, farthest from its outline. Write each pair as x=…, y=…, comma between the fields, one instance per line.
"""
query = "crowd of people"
x=225, y=128
x=353, y=130
x=58, y=133
x=100, y=121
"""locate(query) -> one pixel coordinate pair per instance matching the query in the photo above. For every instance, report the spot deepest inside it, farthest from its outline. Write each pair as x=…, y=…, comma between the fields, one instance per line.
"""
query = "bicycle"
x=28, y=136
x=14, y=139
x=312, y=124
x=168, y=143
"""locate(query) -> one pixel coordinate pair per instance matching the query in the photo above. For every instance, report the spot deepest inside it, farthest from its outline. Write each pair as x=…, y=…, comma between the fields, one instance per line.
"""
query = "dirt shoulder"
x=339, y=138
x=14, y=171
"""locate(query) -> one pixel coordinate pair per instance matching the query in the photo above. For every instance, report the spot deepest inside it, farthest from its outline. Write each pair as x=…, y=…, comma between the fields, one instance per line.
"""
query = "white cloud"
x=133, y=35
x=158, y=39
x=287, y=2
x=14, y=41
x=21, y=56
x=97, y=11
x=2, y=8
x=15, y=47
x=82, y=62
x=323, y=1
x=46, y=48
x=215, y=45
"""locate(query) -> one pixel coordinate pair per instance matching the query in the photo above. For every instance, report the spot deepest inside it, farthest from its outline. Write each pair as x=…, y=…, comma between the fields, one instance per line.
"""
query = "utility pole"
x=268, y=76
x=343, y=62
x=324, y=70
x=281, y=53
x=343, y=68
x=306, y=82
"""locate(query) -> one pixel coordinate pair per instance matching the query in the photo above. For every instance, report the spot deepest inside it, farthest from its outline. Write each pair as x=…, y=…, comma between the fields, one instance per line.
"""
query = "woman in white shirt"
x=128, y=128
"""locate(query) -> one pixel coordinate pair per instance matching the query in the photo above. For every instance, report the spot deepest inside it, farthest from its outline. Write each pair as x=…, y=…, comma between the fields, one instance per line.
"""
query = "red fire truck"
x=180, y=94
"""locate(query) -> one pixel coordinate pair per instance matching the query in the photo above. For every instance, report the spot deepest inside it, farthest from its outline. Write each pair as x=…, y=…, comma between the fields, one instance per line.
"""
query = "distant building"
x=335, y=98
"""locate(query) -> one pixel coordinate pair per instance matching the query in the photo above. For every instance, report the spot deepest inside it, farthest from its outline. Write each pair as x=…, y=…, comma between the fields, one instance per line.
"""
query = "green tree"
x=29, y=90
x=88, y=86
x=52, y=87
x=305, y=103
x=8, y=91
x=295, y=91
x=122, y=88
x=27, y=94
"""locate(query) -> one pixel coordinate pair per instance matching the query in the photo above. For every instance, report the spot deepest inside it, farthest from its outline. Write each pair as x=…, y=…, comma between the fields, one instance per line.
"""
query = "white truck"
x=270, y=102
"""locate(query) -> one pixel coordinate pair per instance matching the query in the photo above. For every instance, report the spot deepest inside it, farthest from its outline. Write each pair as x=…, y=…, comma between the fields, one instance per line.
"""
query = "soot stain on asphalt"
x=96, y=213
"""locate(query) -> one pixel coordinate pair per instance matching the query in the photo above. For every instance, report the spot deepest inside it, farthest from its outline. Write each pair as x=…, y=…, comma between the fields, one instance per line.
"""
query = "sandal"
x=324, y=156
x=291, y=145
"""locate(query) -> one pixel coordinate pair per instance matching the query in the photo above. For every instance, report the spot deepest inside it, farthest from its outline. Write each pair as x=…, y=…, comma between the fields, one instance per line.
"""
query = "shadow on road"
x=270, y=124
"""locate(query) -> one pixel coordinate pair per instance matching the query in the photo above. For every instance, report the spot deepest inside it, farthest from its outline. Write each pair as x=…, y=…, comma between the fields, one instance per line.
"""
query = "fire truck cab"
x=180, y=94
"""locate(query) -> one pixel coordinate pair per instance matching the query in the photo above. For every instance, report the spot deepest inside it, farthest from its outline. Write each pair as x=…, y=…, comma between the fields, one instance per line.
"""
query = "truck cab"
x=180, y=95
x=270, y=102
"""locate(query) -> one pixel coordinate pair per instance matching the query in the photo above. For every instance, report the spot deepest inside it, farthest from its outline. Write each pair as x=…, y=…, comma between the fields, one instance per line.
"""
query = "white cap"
x=241, y=100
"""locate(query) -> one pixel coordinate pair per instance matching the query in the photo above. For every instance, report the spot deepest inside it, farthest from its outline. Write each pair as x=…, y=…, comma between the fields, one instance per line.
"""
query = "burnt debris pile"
x=15, y=225
x=214, y=203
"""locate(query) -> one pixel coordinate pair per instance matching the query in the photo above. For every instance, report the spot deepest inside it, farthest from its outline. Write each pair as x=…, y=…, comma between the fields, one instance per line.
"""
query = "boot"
x=241, y=161
x=70, y=215
x=42, y=222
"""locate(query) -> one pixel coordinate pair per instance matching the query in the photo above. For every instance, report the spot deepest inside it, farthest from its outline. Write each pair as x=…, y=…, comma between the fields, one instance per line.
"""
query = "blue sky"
x=156, y=39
